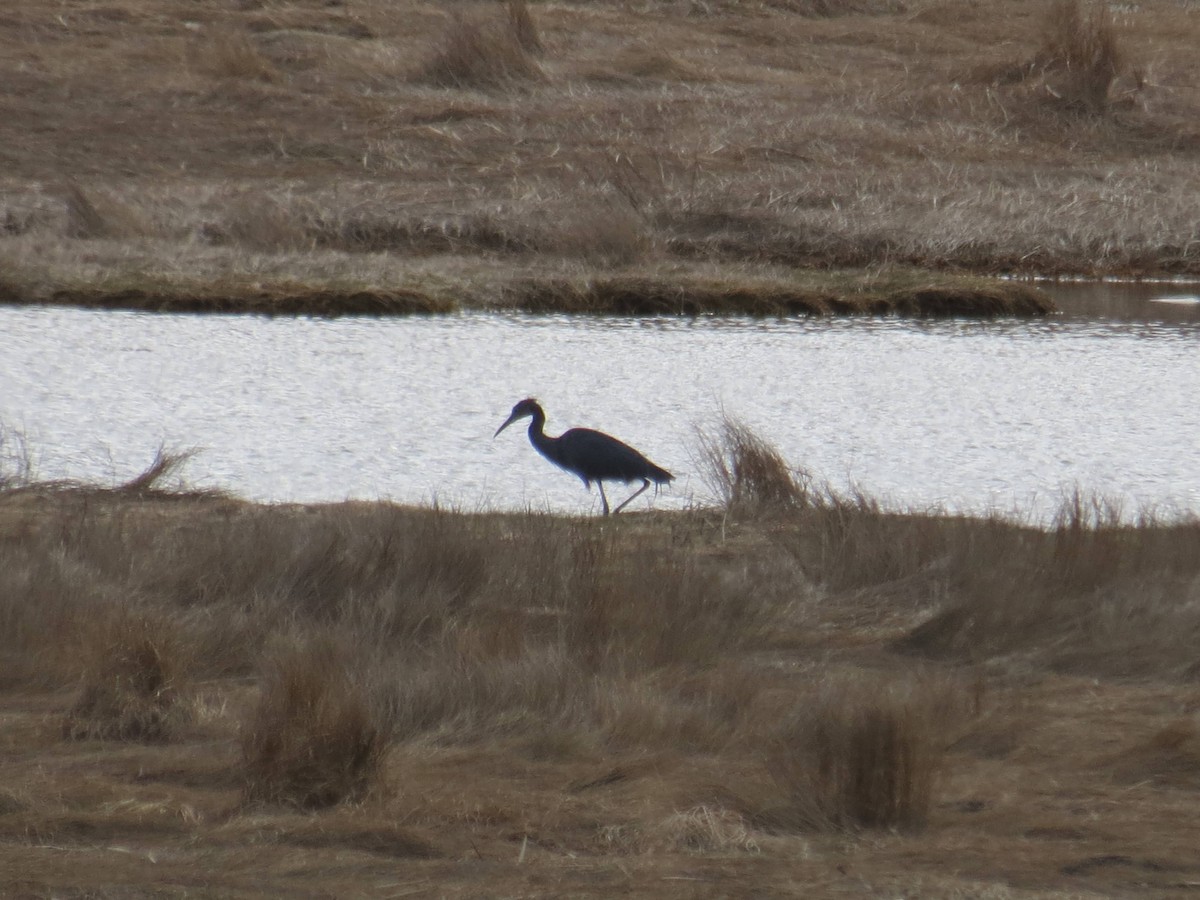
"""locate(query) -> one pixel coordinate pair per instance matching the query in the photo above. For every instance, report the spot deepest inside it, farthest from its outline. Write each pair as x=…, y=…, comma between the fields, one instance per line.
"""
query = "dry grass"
x=1083, y=47
x=292, y=698
x=800, y=693
x=749, y=475
x=313, y=739
x=233, y=55
x=523, y=27
x=133, y=679
x=1093, y=595
x=15, y=470
x=88, y=218
x=864, y=754
x=393, y=158
x=486, y=54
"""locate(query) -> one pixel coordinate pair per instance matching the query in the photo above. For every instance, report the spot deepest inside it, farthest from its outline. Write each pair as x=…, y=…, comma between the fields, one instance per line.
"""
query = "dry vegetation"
x=796, y=693
x=390, y=157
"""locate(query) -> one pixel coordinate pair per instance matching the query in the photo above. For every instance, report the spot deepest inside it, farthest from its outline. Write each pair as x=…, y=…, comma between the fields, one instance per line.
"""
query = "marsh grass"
x=233, y=55
x=134, y=673
x=488, y=53
x=314, y=738
x=1067, y=595
x=293, y=137
x=523, y=27
x=863, y=754
x=166, y=464
x=1170, y=757
x=853, y=545
x=94, y=217
x=606, y=232
x=16, y=469
x=261, y=223
x=774, y=681
x=1091, y=594
x=705, y=829
x=747, y=473
x=1084, y=50
x=484, y=231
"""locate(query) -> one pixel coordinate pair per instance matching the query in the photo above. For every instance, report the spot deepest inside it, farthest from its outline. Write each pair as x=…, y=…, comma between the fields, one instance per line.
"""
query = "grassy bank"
x=384, y=157
x=794, y=692
x=404, y=288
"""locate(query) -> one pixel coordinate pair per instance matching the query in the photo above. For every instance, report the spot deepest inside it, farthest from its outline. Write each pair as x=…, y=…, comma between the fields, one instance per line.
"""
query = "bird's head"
x=523, y=410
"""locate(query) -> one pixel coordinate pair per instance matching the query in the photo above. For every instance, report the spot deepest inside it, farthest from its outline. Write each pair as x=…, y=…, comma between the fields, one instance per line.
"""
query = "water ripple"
x=967, y=415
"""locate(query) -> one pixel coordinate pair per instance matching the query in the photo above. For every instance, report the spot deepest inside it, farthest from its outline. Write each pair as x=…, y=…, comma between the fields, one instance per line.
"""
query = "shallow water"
x=971, y=416
x=1165, y=301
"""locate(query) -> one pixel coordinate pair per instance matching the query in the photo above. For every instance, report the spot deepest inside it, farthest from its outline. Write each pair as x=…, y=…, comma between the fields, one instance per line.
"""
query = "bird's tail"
x=659, y=475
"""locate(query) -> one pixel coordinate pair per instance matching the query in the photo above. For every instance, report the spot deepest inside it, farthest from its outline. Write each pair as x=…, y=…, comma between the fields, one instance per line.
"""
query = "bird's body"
x=592, y=455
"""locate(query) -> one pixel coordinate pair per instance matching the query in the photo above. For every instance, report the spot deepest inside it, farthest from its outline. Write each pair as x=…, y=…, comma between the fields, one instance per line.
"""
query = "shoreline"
x=677, y=291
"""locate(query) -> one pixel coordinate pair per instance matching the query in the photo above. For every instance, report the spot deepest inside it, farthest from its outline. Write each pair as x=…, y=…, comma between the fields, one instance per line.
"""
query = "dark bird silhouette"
x=592, y=455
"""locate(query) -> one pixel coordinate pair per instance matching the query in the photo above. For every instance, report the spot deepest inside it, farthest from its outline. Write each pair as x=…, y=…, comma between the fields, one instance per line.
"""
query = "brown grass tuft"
x=849, y=544
x=83, y=219
x=485, y=54
x=313, y=739
x=706, y=829
x=864, y=755
x=1082, y=55
x=260, y=223
x=164, y=465
x=747, y=473
x=91, y=216
x=233, y=55
x=15, y=468
x=1169, y=758
x=602, y=232
x=133, y=677
x=1092, y=594
x=523, y=27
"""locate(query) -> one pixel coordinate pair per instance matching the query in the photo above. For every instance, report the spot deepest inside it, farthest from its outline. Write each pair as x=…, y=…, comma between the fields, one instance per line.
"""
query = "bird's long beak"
x=507, y=422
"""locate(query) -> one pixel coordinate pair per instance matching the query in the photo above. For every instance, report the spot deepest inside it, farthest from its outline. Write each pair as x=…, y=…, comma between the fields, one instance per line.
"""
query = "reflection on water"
x=969, y=415
x=1149, y=301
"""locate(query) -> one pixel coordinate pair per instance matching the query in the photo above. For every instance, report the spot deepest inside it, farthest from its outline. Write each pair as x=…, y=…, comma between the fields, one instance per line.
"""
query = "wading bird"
x=592, y=455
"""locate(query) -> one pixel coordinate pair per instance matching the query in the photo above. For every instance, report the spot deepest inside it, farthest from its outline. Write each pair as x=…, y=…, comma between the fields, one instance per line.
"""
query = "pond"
x=970, y=416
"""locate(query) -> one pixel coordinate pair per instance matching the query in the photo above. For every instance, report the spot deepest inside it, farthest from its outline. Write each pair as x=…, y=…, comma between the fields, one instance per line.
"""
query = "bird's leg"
x=603, y=499
x=633, y=496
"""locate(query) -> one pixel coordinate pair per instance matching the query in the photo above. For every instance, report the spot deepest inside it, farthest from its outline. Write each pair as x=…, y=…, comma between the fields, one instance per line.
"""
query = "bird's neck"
x=541, y=441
